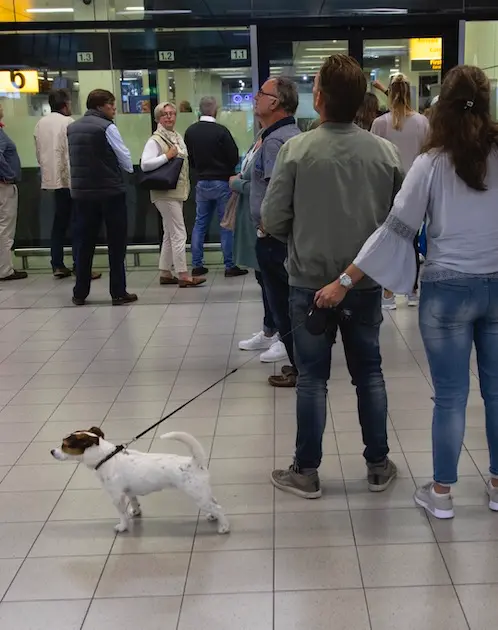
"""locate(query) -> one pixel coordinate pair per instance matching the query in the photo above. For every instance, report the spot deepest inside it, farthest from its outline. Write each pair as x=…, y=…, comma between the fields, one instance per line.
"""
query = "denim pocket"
x=448, y=301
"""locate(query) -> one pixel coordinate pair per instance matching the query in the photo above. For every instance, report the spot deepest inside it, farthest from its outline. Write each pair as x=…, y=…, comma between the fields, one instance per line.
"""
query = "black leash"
x=315, y=322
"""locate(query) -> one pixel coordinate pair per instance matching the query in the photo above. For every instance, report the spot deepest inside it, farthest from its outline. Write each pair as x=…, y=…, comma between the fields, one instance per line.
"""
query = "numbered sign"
x=166, y=55
x=84, y=57
x=238, y=54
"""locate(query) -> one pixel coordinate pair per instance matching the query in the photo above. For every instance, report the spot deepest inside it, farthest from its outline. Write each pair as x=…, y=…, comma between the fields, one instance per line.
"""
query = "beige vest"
x=181, y=192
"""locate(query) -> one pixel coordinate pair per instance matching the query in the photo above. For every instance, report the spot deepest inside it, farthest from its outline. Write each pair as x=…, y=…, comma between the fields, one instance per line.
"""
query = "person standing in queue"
x=52, y=154
x=10, y=174
x=275, y=105
x=98, y=157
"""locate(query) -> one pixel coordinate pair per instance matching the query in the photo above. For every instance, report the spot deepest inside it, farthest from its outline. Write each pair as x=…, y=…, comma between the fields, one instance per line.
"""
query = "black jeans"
x=271, y=255
x=60, y=226
x=417, y=262
x=88, y=217
x=269, y=326
x=359, y=326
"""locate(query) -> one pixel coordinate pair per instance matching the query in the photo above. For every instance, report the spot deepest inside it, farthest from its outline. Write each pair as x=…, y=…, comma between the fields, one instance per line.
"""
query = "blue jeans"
x=453, y=314
x=359, y=326
x=211, y=196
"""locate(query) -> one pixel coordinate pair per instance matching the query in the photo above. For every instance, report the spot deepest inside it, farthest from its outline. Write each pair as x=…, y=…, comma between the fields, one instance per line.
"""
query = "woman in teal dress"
x=244, y=247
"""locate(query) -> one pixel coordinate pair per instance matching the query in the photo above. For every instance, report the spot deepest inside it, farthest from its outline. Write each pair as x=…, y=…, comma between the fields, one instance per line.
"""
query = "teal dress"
x=244, y=238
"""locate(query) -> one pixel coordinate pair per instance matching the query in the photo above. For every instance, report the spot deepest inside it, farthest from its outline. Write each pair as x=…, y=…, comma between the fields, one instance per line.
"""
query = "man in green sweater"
x=330, y=190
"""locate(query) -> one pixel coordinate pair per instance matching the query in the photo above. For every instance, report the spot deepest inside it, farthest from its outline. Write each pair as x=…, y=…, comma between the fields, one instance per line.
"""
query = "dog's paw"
x=121, y=527
x=211, y=518
x=135, y=512
x=224, y=529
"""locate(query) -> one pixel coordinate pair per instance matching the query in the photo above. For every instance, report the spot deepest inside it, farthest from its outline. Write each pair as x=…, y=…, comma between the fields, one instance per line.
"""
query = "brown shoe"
x=283, y=380
x=15, y=275
x=168, y=280
x=96, y=275
x=288, y=369
x=193, y=282
x=127, y=298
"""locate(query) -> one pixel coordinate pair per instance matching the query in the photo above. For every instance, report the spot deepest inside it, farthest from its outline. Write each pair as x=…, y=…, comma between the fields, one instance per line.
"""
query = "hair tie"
x=469, y=105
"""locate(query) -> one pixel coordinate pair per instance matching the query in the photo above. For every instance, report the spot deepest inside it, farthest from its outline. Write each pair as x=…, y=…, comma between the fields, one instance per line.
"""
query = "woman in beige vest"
x=166, y=144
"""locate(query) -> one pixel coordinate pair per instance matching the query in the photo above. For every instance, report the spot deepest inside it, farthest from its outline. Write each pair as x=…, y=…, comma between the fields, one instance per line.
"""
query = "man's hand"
x=172, y=153
x=379, y=86
x=331, y=295
x=233, y=178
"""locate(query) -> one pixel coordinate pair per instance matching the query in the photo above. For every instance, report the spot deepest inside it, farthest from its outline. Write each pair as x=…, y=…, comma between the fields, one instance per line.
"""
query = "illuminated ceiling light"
x=325, y=49
x=50, y=10
x=154, y=11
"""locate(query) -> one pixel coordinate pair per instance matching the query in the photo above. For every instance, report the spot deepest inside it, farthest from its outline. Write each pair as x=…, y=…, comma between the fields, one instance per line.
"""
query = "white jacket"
x=52, y=150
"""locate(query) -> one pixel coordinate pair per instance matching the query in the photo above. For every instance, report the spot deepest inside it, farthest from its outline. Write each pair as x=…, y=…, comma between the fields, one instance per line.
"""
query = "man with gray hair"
x=275, y=105
x=214, y=155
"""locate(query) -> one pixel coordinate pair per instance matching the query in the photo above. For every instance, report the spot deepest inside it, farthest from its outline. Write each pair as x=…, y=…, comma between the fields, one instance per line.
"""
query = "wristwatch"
x=345, y=281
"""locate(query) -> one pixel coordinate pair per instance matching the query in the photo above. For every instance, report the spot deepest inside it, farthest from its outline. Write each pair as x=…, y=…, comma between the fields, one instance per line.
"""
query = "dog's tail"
x=198, y=454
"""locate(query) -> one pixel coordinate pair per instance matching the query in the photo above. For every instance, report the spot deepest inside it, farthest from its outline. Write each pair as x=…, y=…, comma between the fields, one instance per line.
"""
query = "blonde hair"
x=159, y=109
x=400, y=100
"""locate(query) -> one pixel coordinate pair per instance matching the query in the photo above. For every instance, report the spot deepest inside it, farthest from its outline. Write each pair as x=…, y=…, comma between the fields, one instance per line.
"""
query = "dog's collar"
x=117, y=450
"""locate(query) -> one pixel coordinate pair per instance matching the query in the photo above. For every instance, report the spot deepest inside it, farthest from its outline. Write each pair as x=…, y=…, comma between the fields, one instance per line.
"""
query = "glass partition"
x=481, y=49
x=141, y=68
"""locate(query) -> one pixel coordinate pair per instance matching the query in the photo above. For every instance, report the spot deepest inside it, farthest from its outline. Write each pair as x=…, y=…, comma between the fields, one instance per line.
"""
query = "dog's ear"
x=97, y=432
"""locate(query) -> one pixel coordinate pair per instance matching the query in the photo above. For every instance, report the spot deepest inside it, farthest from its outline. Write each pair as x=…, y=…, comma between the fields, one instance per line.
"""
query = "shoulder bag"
x=163, y=178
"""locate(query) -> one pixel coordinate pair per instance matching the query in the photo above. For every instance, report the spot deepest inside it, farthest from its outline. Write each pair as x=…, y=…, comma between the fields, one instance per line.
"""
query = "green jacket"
x=330, y=190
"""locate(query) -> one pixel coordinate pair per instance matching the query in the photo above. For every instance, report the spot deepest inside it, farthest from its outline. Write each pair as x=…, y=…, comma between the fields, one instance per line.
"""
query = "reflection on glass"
x=420, y=59
x=301, y=62
x=481, y=49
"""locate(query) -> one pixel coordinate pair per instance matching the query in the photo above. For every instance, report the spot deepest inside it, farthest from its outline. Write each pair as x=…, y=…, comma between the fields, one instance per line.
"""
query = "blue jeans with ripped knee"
x=453, y=315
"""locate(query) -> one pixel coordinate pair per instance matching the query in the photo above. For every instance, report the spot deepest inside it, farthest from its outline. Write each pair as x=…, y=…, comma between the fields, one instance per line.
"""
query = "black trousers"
x=60, y=226
x=271, y=255
x=88, y=218
x=417, y=262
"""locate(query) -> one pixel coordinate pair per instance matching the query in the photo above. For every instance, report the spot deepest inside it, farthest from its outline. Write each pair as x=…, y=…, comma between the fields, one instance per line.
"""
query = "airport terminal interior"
x=352, y=560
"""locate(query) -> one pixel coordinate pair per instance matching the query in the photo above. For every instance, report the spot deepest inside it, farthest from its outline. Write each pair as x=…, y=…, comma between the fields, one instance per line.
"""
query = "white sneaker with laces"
x=276, y=352
x=389, y=303
x=259, y=341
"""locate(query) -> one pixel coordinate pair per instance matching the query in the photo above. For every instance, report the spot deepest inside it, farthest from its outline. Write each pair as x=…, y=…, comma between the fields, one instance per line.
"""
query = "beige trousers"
x=175, y=236
x=8, y=220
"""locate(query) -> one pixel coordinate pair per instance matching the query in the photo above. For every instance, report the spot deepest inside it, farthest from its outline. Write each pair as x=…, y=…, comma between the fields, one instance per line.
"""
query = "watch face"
x=345, y=280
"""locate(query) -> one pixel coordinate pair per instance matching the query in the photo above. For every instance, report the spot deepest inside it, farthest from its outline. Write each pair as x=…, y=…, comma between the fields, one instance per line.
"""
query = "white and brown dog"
x=130, y=474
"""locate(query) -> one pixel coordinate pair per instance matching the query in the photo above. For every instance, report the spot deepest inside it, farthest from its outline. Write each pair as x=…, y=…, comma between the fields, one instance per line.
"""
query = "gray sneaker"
x=439, y=505
x=381, y=475
x=302, y=485
x=493, y=497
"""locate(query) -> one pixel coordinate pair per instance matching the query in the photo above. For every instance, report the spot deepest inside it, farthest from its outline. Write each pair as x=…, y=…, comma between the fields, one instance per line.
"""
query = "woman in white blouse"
x=408, y=131
x=166, y=144
x=454, y=184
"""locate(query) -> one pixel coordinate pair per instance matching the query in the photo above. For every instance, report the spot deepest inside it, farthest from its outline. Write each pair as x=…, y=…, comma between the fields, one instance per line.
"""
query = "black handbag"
x=163, y=178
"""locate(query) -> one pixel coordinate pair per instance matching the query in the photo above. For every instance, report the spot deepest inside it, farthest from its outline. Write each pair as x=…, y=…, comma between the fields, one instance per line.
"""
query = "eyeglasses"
x=169, y=114
x=263, y=93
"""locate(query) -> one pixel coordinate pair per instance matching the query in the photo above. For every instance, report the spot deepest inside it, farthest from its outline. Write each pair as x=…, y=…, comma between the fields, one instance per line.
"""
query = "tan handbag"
x=228, y=221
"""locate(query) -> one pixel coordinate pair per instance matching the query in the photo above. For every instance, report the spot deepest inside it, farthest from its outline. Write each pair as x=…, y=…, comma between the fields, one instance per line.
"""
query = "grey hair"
x=208, y=106
x=287, y=93
x=159, y=109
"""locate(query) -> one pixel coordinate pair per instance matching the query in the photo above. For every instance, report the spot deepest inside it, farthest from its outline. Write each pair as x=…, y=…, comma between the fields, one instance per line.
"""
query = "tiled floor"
x=350, y=561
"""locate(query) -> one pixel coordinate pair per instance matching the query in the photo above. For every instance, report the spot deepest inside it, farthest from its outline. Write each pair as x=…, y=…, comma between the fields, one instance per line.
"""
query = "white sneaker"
x=276, y=352
x=412, y=299
x=258, y=341
x=389, y=304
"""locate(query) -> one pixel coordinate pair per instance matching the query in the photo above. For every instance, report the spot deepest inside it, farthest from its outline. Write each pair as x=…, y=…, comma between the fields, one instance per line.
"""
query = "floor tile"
x=245, y=425
x=333, y=498
x=316, y=568
x=247, y=531
x=34, y=478
x=157, y=535
x=398, y=495
x=140, y=575
x=16, y=539
x=402, y=565
x=53, y=615
x=246, y=470
x=56, y=578
x=313, y=529
x=246, y=498
x=430, y=608
x=243, y=611
x=27, y=507
x=321, y=610
x=230, y=572
x=388, y=526
x=471, y=562
x=151, y=613
x=242, y=446
x=480, y=604
x=74, y=538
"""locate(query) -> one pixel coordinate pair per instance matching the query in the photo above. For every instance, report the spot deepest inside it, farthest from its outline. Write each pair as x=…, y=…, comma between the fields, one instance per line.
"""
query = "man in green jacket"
x=330, y=190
